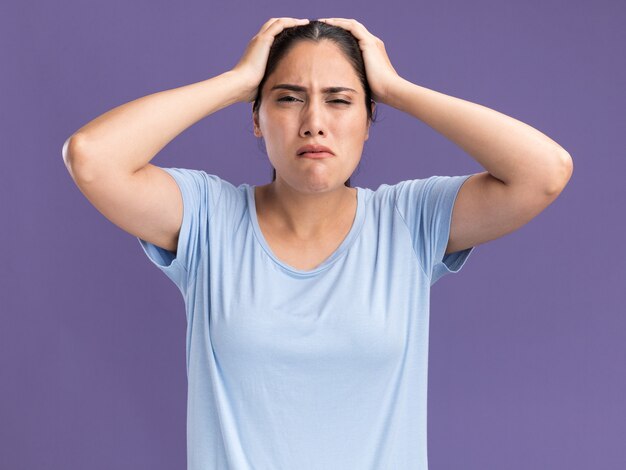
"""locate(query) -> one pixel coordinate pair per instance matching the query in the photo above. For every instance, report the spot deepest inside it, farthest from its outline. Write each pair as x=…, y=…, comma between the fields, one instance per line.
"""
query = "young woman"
x=307, y=299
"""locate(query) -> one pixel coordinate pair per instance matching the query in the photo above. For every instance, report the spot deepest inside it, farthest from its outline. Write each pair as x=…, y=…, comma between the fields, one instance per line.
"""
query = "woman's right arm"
x=127, y=137
x=109, y=158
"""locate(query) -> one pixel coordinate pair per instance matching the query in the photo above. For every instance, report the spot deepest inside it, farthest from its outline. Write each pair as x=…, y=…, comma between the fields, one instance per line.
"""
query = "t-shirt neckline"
x=341, y=249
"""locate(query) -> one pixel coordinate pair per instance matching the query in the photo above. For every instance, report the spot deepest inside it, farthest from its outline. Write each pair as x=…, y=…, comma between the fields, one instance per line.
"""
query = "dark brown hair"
x=316, y=31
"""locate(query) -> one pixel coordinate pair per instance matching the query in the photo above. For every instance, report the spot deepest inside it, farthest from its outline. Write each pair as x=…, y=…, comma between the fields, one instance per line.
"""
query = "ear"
x=255, y=123
x=367, y=135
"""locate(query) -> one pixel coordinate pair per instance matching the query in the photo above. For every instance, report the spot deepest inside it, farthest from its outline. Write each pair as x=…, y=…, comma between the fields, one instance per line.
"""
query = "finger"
x=357, y=29
x=345, y=23
x=282, y=23
x=286, y=22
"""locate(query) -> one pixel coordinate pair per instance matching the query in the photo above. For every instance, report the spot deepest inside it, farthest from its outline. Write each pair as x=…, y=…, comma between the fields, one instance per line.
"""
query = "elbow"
x=72, y=148
x=563, y=175
x=73, y=152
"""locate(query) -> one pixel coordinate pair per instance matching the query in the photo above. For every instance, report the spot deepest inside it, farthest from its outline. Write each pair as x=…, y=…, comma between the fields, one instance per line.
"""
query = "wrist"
x=246, y=90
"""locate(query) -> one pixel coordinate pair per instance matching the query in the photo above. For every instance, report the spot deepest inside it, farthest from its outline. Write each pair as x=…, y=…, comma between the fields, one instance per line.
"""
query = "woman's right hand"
x=251, y=67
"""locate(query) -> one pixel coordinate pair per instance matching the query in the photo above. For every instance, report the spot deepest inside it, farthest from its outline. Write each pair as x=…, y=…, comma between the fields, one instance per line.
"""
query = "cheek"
x=355, y=132
x=356, y=121
x=279, y=124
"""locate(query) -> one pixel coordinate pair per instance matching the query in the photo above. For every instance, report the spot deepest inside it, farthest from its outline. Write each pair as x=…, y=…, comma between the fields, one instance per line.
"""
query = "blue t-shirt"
x=321, y=369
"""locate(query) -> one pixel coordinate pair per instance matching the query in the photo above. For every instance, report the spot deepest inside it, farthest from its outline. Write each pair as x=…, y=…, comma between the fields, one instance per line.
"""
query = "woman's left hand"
x=381, y=75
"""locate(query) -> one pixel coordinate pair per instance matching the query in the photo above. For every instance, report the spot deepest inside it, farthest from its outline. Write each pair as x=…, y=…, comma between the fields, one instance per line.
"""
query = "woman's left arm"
x=510, y=150
x=526, y=170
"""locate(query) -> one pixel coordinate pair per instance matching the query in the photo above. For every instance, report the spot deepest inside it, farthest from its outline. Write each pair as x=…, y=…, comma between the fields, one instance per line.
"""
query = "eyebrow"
x=330, y=89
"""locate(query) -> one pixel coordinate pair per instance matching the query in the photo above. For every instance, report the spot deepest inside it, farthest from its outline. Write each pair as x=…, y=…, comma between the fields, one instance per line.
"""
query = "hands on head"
x=380, y=72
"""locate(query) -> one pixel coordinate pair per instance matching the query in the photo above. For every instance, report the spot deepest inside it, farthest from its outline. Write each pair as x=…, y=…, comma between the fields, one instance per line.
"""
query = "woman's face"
x=288, y=119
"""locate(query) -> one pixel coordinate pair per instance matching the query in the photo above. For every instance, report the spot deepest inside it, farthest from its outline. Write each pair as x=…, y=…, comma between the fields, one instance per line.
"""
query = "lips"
x=314, y=149
x=316, y=155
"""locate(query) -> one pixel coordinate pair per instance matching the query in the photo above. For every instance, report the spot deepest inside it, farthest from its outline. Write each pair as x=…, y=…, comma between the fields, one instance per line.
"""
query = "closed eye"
x=291, y=99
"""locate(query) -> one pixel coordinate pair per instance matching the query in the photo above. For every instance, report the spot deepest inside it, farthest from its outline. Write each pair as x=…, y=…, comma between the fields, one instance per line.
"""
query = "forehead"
x=315, y=66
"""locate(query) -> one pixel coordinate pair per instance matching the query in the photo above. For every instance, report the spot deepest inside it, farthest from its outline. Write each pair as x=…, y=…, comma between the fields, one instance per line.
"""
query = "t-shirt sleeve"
x=426, y=206
x=200, y=192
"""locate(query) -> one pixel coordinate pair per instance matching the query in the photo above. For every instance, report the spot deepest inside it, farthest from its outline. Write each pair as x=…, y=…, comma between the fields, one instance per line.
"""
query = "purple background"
x=527, y=342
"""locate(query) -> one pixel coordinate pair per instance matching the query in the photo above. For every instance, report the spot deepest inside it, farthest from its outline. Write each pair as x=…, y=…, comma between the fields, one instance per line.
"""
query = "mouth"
x=314, y=151
x=315, y=154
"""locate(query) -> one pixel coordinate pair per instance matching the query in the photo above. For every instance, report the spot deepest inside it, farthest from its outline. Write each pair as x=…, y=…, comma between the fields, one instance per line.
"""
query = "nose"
x=312, y=120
